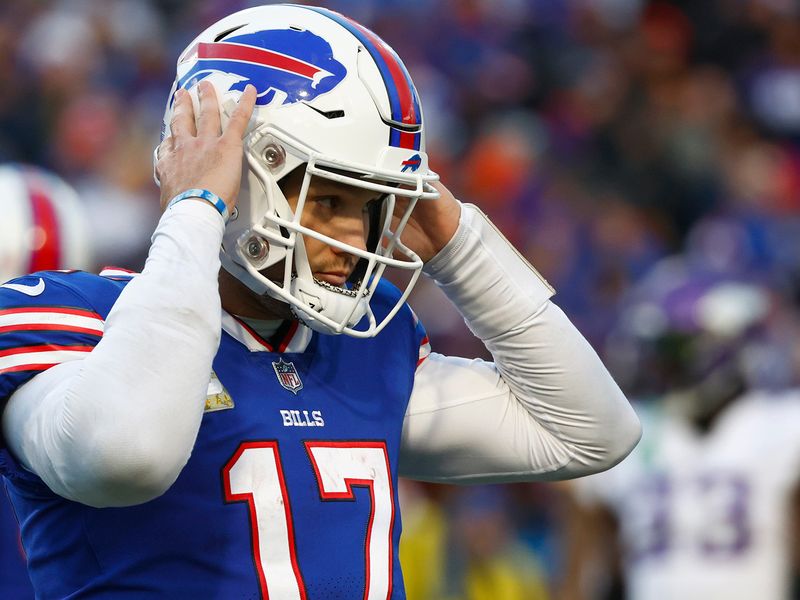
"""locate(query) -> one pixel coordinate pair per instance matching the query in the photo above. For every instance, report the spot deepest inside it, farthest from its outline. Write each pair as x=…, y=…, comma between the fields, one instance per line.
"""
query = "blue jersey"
x=14, y=581
x=291, y=488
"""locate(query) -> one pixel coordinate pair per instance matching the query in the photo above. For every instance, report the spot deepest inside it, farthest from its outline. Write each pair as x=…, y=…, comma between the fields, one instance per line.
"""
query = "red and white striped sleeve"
x=42, y=324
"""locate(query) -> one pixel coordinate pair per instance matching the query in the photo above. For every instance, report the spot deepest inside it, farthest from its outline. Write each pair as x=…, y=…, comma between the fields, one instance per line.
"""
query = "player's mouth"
x=335, y=278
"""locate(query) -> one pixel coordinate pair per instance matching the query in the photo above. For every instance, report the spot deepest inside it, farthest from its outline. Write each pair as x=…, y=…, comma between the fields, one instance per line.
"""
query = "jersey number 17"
x=255, y=475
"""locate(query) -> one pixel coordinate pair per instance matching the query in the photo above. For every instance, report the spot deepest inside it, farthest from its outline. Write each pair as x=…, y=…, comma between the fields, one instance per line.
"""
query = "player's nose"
x=353, y=232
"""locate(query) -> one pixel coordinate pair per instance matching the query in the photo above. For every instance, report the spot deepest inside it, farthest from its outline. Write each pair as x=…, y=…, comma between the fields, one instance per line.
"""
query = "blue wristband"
x=209, y=197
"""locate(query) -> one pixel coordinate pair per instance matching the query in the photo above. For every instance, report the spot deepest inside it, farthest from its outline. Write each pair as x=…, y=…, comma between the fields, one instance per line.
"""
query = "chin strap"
x=341, y=305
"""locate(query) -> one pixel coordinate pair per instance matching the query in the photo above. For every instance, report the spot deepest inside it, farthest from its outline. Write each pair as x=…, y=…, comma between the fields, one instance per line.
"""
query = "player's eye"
x=327, y=202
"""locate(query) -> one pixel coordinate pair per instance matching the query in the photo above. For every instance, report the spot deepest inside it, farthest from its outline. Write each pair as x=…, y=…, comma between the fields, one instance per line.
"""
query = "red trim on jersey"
x=46, y=255
x=44, y=348
x=252, y=332
x=281, y=346
x=50, y=327
x=113, y=268
x=289, y=336
x=425, y=342
x=36, y=350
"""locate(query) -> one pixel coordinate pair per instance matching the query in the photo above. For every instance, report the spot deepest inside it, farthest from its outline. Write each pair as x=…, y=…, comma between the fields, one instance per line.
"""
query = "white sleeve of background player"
x=117, y=427
x=546, y=409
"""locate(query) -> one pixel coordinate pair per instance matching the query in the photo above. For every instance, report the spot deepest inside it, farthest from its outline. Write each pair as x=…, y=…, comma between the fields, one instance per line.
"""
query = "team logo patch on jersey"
x=284, y=65
x=288, y=376
x=217, y=397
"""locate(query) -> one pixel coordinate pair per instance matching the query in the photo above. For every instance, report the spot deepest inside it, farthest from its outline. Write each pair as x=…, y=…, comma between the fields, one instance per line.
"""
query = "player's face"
x=338, y=211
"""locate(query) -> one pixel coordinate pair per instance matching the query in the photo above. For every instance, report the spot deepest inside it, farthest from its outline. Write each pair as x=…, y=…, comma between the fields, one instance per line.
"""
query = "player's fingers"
x=208, y=121
x=158, y=152
x=182, y=122
x=240, y=117
x=165, y=146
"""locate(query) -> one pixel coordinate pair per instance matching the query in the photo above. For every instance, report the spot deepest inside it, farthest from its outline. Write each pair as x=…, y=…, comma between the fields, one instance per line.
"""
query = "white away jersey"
x=707, y=517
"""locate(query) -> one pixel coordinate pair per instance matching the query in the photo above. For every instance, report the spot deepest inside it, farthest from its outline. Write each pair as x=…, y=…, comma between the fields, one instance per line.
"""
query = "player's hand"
x=432, y=223
x=198, y=153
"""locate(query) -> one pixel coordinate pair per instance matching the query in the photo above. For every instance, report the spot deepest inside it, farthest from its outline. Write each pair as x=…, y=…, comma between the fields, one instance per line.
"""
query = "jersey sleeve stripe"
x=46, y=327
x=61, y=310
x=39, y=358
x=51, y=319
x=43, y=348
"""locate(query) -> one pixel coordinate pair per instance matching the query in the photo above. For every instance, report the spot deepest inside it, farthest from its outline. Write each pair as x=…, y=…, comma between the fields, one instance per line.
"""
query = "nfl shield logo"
x=287, y=376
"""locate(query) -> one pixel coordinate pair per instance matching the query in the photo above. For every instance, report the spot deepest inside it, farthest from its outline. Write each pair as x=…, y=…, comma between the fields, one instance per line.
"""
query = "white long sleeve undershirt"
x=546, y=408
x=117, y=427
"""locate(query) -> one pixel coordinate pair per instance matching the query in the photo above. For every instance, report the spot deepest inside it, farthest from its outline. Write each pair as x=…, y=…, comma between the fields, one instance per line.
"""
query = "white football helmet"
x=43, y=226
x=333, y=99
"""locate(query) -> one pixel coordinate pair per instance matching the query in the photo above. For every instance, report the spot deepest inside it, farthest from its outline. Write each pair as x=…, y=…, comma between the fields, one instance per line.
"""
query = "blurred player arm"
x=591, y=560
x=546, y=408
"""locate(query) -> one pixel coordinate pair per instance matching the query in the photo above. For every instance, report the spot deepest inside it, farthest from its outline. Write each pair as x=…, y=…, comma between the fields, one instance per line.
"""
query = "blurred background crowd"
x=599, y=135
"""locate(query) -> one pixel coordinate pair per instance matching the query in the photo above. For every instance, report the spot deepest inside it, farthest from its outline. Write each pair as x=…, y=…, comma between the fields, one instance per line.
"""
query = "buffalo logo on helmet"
x=284, y=65
x=411, y=164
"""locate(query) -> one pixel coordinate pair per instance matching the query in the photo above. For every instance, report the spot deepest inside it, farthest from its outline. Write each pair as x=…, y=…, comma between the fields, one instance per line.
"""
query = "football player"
x=706, y=505
x=231, y=422
x=43, y=228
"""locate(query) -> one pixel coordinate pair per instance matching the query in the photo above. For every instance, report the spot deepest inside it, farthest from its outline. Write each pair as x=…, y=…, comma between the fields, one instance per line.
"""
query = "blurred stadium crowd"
x=599, y=135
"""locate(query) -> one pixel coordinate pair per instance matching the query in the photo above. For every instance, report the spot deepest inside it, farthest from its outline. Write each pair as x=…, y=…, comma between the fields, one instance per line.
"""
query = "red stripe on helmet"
x=260, y=56
x=405, y=94
x=408, y=140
